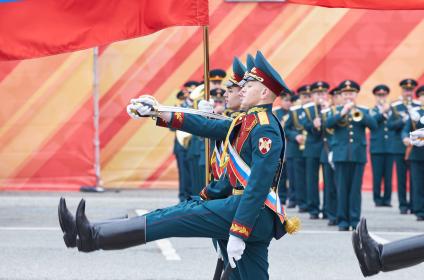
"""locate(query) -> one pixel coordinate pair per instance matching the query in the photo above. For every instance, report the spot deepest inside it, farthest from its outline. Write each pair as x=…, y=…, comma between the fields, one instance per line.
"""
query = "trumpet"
x=356, y=114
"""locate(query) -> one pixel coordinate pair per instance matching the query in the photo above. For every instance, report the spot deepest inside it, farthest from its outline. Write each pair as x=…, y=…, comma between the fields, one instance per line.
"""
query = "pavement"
x=31, y=245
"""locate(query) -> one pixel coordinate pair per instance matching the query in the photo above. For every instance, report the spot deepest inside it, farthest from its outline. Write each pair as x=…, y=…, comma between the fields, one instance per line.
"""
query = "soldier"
x=330, y=190
x=216, y=76
x=282, y=113
x=296, y=137
x=381, y=160
x=349, y=153
x=241, y=218
x=416, y=156
x=396, y=122
x=314, y=144
x=374, y=257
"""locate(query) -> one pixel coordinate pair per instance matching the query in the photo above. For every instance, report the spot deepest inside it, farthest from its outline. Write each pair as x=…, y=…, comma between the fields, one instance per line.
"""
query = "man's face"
x=251, y=94
x=421, y=98
x=305, y=98
x=219, y=106
x=285, y=102
x=232, y=98
x=407, y=93
x=349, y=96
x=337, y=99
x=380, y=98
x=215, y=84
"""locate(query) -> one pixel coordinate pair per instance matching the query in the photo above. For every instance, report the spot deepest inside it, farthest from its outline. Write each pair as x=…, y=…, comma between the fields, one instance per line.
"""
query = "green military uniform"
x=396, y=122
x=381, y=160
x=258, y=139
x=416, y=159
x=294, y=155
x=312, y=153
x=349, y=156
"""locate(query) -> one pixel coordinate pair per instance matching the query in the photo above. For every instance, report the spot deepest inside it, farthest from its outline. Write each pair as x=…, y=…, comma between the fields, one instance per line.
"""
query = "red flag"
x=366, y=4
x=32, y=28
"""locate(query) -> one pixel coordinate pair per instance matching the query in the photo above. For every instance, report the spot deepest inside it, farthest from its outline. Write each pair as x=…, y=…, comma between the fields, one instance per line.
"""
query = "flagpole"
x=207, y=95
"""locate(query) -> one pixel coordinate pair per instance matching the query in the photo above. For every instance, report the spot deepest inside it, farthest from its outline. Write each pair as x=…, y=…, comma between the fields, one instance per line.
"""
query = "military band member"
x=381, y=137
x=241, y=218
x=296, y=136
x=416, y=156
x=313, y=145
x=282, y=113
x=330, y=190
x=216, y=77
x=181, y=143
x=397, y=120
x=349, y=153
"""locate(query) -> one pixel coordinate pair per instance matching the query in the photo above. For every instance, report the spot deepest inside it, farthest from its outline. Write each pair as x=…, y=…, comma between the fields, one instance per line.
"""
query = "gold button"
x=350, y=119
x=350, y=132
x=351, y=140
x=386, y=129
x=350, y=126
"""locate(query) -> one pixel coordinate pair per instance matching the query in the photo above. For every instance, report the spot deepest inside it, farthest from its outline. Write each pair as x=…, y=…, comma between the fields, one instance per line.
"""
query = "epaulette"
x=323, y=111
x=263, y=118
x=395, y=103
x=309, y=104
x=362, y=107
x=275, y=109
x=295, y=107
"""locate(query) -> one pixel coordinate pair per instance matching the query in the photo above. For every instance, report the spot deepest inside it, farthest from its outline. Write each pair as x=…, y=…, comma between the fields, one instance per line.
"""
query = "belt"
x=237, y=192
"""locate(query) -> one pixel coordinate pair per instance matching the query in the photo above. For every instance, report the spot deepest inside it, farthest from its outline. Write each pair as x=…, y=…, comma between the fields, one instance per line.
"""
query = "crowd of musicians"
x=327, y=141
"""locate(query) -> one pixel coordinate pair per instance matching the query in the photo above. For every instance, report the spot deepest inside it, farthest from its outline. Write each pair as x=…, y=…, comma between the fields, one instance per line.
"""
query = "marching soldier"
x=313, y=145
x=282, y=113
x=241, y=218
x=416, y=156
x=349, y=153
x=296, y=137
x=330, y=190
x=397, y=120
x=381, y=160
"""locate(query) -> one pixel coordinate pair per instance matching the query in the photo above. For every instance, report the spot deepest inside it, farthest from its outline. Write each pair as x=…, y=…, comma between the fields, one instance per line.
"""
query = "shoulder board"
x=275, y=109
x=310, y=104
x=295, y=108
x=396, y=103
x=416, y=102
x=263, y=118
x=362, y=107
x=323, y=111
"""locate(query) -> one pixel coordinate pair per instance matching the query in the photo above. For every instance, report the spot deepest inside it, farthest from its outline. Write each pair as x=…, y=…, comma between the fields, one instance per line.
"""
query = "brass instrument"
x=356, y=114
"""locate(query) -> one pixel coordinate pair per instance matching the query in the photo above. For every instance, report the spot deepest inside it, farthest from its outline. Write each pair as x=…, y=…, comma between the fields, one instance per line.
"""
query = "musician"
x=349, y=155
x=381, y=137
x=416, y=157
x=396, y=122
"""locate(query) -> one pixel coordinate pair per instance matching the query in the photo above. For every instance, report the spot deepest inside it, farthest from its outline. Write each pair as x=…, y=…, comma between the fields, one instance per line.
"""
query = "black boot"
x=113, y=235
x=391, y=256
x=68, y=226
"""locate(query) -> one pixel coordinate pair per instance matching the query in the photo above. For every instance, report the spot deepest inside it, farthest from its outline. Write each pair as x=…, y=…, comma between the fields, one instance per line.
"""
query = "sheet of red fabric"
x=31, y=28
x=366, y=4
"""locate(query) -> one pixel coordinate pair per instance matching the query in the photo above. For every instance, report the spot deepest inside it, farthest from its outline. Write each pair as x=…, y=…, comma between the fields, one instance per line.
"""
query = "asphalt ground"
x=31, y=245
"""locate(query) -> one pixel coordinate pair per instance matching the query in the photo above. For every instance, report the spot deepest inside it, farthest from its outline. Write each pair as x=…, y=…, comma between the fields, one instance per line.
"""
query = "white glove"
x=206, y=106
x=415, y=116
x=138, y=110
x=415, y=137
x=146, y=99
x=422, y=120
x=235, y=249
